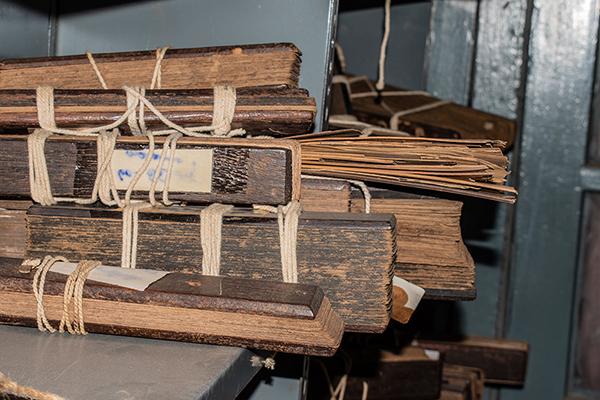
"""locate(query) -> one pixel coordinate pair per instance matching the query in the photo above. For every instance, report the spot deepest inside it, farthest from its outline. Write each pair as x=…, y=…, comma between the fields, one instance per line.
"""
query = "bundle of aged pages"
x=143, y=161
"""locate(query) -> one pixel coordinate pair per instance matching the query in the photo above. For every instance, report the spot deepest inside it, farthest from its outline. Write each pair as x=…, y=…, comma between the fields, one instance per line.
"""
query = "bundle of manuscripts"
x=181, y=194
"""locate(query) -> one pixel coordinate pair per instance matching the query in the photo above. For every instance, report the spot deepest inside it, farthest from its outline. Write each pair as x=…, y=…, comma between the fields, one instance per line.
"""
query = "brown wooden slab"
x=407, y=374
x=503, y=362
x=457, y=378
x=260, y=111
x=430, y=250
x=13, y=227
x=266, y=315
x=244, y=171
x=348, y=255
x=447, y=121
x=239, y=66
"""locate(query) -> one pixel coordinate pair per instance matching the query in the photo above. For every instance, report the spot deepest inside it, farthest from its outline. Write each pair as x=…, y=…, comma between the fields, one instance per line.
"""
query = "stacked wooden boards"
x=241, y=171
x=260, y=111
x=430, y=251
x=265, y=76
x=238, y=66
x=503, y=362
x=419, y=113
x=189, y=307
x=348, y=255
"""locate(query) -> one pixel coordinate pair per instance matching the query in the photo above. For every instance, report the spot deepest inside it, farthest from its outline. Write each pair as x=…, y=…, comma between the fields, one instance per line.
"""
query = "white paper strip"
x=136, y=279
x=192, y=170
x=415, y=293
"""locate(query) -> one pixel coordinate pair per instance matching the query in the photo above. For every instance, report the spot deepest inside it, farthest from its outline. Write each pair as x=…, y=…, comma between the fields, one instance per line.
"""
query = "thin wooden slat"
x=188, y=307
x=349, y=256
x=243, y=171
x=239, y=66
x=269, y=111
x=503, y=362
x=13, y=227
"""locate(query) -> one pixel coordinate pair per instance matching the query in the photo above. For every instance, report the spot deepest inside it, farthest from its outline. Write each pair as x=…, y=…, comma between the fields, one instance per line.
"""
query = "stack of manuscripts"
x=180, y=194
x=154, y=194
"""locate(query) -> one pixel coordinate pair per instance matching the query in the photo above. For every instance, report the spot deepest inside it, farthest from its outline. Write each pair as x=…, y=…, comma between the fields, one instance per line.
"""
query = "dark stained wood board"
x=325, y=195
x=408, y=375
x=428, y=255
x=503, y=362
x=244, y=171
x=238, y=66
x=348, y=255
x=266, y=315
x=456, y=377
x=260, y=111
x=13, y=227
x=447, y=121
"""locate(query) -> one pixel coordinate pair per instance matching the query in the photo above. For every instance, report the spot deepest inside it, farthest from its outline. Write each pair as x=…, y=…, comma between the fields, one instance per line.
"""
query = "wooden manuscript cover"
x=260, y=111
x=350, y=256
x=239, y=66
x=274, y=316
x=205, y=170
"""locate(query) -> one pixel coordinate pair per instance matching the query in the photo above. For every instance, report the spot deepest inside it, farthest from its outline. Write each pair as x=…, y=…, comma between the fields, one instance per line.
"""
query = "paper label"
x=136, y=279
x=192, y=170
x=414, y=293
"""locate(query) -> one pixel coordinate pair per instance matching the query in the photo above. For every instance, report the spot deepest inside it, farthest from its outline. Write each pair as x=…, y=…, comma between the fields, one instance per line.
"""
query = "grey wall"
x=360, y=33
x=24, y=29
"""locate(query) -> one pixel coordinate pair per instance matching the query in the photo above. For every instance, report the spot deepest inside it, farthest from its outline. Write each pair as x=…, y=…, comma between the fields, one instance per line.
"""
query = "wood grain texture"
x=324, y=195
x=244, y=171
x=430, y=249
x=474, y=167
x=239, y=66
x=348, y=255
x=460, y=379
x=503, y=362
x=13, y=227
x=189, y=307
x=448, y=121
x=260, y=111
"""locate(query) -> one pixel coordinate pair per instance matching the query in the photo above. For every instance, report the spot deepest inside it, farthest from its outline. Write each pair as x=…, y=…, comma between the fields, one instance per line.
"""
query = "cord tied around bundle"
x=287, y=221
x=211, y=223
x=72, y=315
x=130, y=233
x=224, y=101
x=156, y=74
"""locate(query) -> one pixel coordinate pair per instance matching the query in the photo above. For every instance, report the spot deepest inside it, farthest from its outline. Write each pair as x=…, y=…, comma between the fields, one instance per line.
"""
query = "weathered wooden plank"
x=269, y=111
x=238, y=171
x=460, y=379
x=192, y=68
x=430, y=249
x=503, y=362
x=13, y=228
x=275, y=316
x=451, y=120
x=348, y=255
x=411, y=374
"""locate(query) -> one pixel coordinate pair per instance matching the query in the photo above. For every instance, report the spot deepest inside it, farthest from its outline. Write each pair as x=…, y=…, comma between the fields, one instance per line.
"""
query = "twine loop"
x=72, y=316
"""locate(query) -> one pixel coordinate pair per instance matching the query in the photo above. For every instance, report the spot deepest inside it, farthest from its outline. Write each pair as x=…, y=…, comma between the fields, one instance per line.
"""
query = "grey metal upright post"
x=562, y=51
